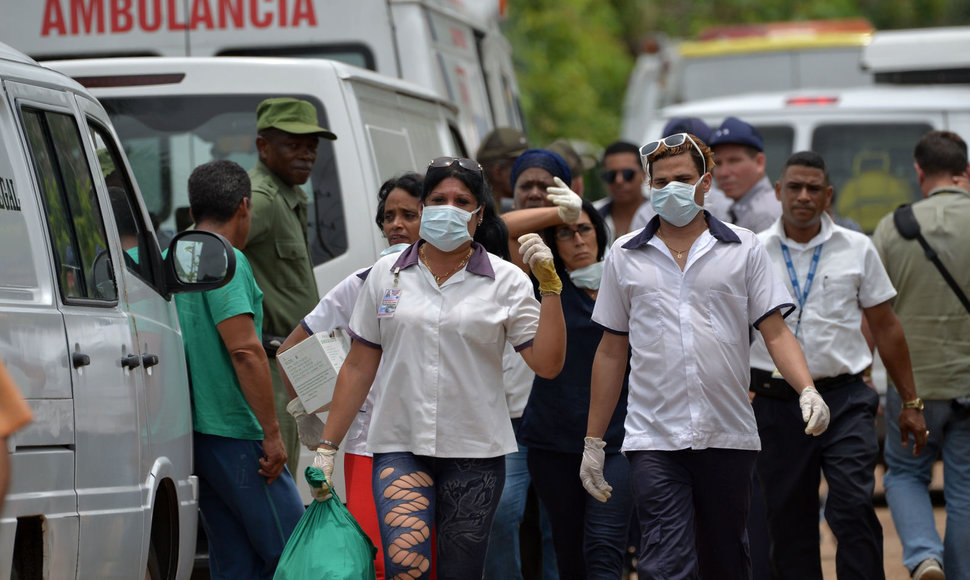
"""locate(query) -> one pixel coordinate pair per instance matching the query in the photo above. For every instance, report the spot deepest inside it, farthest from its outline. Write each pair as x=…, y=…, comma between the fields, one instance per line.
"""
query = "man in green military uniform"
x=288, y=135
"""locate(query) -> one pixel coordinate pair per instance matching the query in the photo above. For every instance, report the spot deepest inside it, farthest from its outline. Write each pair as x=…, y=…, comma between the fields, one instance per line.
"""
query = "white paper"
x=312, y=368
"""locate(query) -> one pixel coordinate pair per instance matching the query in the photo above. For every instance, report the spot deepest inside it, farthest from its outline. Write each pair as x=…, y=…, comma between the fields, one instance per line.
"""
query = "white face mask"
x=588, y=276
x=445, y=226
x=394, y=249
x=675, y=202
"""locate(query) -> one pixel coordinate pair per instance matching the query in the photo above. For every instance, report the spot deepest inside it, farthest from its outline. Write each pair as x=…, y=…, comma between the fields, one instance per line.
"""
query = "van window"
x=870, y=166
x=358, y=55
x=133, y=232
x=166, y=137
x=16, y=262
x=778, y=142
x=74, y=217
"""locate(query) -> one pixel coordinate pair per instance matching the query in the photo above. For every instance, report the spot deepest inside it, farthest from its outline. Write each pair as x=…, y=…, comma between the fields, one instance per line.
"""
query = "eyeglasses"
x=626, y=174
x=674, y=140
x=566, y=234
x=463, y=162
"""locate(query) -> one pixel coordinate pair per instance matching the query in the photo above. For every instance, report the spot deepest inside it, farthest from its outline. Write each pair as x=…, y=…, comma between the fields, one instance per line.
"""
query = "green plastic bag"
x=327, y=542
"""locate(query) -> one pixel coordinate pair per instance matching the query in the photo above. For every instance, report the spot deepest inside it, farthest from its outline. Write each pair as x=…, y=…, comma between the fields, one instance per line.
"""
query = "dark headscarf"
x=543, y=159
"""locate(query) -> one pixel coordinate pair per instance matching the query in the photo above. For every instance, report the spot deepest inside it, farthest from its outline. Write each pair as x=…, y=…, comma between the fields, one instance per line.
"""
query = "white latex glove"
x=534, y=250
x=323, y=461
x=591, y=470
x=309, y=426
x=815, y=412
x=568, y=202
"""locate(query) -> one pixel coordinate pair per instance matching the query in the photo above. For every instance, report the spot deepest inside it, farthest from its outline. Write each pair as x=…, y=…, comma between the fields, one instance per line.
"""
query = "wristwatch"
x=916, y=403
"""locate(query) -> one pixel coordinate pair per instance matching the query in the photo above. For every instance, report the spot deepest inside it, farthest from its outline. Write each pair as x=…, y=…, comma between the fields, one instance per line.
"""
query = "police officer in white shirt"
x=683, y=293
x=836, y=276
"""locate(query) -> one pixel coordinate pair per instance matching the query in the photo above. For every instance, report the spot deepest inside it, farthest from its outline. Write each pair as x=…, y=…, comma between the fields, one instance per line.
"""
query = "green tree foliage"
x=572, y=65
x=573, y=57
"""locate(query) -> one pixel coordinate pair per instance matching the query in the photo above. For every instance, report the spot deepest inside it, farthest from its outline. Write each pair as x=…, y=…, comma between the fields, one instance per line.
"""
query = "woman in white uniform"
x=438, y=316
x=399, y=218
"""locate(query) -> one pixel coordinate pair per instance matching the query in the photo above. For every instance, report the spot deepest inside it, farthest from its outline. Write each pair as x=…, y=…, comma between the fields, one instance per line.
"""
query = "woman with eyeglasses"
x=399, y=218
x=437, y=316
x=590, y=536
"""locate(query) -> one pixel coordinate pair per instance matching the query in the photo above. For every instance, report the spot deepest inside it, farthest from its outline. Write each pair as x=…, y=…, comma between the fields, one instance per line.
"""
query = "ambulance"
x=452, y=47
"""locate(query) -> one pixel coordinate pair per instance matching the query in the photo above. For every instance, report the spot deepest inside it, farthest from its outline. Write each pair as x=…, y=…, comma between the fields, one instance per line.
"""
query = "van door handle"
x=149, y=360
x=131, y=361
x=79, y=359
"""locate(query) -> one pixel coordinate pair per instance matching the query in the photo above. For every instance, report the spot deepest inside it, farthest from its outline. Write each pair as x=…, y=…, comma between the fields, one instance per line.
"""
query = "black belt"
x=762, y=383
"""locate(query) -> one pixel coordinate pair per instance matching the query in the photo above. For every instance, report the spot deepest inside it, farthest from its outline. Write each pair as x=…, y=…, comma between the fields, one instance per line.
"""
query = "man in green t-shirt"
x=248, y=499
x=277, y=244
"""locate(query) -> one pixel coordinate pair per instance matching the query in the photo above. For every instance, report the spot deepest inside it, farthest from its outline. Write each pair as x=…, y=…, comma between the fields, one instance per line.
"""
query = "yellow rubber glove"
x=538, y=256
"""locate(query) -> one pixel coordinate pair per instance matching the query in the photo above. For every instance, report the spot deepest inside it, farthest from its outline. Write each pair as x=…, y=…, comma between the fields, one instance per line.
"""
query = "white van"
x=747, y=58
x=174, y=114
x=866, y=135
x=102, y=483
x=453, y=48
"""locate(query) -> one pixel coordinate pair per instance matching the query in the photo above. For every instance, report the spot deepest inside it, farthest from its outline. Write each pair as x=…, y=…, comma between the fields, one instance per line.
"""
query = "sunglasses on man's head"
x=463, y=162
x=626, y=174
x=675, y=140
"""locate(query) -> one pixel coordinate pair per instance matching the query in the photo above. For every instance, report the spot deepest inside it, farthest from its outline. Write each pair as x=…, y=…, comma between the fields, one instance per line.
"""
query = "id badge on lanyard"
x=391, y=299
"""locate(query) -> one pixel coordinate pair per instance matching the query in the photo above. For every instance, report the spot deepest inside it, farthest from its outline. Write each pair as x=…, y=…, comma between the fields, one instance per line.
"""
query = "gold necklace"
x=680, y=253
x=440, y=279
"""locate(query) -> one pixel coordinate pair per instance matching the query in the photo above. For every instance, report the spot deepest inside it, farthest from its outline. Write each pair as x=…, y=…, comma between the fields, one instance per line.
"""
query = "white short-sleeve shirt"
x=848, y=278
x=440, y=392
x=689, y=334
x=333, y=312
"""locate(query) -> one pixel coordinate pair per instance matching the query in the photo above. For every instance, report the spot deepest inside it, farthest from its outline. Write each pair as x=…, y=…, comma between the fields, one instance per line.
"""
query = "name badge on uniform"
x=392, y=296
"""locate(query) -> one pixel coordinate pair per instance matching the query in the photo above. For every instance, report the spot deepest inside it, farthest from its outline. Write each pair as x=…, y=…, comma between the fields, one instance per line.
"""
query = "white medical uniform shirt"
x=332, y=312
x=441, y=391
x=689, y=334
x=849, y=277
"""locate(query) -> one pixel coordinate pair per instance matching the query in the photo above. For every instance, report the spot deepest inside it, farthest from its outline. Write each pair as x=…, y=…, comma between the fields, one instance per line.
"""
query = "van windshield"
x=165, y=138
x=870, y=166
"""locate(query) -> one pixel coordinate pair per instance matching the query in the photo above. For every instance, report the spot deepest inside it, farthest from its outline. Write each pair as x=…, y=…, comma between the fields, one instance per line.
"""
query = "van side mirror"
x=198, y=260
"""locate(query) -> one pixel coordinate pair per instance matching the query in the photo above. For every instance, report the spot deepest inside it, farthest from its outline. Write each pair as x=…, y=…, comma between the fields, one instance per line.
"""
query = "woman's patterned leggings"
x=457, y=496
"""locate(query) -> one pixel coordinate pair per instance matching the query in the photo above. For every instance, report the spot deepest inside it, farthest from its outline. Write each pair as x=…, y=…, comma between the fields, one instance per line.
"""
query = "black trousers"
x=789, y=468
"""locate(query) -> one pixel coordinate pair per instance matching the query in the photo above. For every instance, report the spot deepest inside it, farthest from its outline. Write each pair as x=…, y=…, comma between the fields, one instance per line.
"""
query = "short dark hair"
x=621, y=147
x=941, y=153
x=700, y=163
x=410, y=182
x=599, y=224
x=216, y=189
x=492, y=231
x=807, y=159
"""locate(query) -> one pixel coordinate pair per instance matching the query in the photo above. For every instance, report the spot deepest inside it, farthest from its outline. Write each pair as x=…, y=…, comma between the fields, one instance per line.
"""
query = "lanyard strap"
x=802, y=297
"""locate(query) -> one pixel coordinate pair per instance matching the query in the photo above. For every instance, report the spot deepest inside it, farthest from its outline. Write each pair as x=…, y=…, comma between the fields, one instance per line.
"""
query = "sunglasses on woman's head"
x=675, y=140
x=463, y=162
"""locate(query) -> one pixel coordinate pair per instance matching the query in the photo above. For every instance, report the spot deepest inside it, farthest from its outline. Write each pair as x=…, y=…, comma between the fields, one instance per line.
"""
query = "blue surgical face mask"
x=588, y=276
x=675, y=202
x=394, y=249
x=445, y=226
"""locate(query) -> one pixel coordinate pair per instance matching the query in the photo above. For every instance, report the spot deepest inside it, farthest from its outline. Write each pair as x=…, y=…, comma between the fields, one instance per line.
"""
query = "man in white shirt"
x=836, y=277
x=683, y=293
